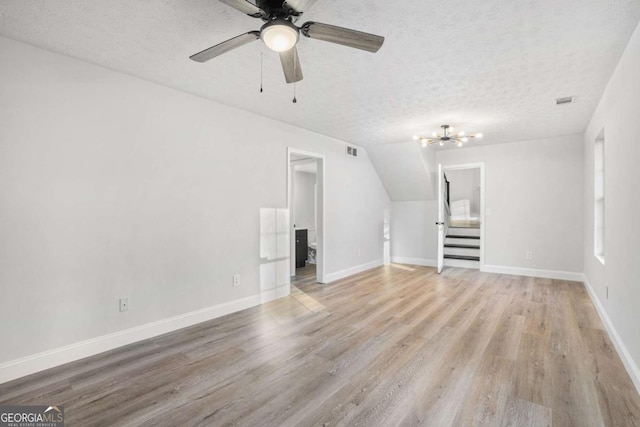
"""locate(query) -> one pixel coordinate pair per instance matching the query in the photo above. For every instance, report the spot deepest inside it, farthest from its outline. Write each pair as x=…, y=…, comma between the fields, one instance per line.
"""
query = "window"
x=598, y=195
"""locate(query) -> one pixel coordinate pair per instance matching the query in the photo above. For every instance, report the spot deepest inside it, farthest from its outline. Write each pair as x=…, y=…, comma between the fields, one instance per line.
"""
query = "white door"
x=440, y=222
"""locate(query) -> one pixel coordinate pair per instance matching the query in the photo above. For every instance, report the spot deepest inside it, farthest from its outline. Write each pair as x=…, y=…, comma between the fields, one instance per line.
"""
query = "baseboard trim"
x=51, y=358
x=415, y=261
x=332, y=277
x=625, y=356
x=533, y=272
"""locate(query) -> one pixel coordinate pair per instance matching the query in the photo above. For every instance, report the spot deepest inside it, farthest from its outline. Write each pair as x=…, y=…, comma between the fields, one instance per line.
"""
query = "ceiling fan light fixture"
x=279, y=35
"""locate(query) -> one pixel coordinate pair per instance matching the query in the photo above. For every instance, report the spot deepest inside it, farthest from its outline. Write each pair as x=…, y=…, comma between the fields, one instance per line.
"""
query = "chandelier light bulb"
x=465, y=139
x=424, y=142
x=435, y=135
x=416, y=137
x=459, y=143
x=461, y=133
x=478, y=135
x=441, y=143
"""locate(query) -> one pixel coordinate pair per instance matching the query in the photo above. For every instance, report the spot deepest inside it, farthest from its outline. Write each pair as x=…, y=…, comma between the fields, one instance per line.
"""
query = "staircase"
x=462, y=247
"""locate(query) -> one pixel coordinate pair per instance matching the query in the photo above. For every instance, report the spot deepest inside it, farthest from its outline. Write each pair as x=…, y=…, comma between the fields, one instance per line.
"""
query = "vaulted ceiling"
x=492, y=66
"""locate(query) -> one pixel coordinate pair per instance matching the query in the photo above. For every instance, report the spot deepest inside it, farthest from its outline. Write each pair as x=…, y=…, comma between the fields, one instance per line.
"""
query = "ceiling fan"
x=281, y=35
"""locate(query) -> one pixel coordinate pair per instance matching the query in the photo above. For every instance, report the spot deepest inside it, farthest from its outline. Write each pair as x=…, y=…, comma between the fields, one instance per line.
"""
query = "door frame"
x=320, y=212
x=479, y=165
x=440, y=221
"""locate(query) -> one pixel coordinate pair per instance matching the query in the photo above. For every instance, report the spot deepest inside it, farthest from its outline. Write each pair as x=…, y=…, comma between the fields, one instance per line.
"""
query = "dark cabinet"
x=301, y=248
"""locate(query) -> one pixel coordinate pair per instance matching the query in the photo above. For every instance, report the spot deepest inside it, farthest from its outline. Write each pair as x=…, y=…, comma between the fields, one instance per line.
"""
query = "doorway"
x=305, y=201
x=461, y=222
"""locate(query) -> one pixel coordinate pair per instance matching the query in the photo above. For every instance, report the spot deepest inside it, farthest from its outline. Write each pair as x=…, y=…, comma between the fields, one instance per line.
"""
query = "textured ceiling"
x=491, y=66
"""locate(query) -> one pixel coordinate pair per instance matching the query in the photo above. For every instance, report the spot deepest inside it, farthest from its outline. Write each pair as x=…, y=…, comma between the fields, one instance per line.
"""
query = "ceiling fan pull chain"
x=261, y=55
x=294, y=94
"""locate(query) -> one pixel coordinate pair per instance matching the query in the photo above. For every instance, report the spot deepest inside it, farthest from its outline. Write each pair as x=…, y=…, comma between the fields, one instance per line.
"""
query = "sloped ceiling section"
x=407, y=171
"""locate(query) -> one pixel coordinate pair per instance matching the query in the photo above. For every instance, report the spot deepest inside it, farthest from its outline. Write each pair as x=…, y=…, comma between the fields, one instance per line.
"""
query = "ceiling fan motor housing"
x=275, y=9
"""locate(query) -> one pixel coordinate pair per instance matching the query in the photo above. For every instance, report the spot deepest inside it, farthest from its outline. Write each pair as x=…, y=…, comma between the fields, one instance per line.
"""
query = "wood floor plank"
x=396, y=345
x=520, y=413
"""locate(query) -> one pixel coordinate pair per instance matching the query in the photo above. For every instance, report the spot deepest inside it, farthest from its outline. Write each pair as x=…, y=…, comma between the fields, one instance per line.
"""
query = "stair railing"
x=447, y=217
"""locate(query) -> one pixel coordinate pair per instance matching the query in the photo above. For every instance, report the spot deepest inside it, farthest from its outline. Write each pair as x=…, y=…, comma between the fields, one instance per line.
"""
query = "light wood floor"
x=305, y=275
x=396, y=345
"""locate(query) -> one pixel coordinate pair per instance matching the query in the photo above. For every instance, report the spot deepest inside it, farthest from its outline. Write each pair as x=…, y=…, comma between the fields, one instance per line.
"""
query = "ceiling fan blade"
x=343, y=36
x=291, y=65
x=225, y=46
x=300, y=6
x=245, y=7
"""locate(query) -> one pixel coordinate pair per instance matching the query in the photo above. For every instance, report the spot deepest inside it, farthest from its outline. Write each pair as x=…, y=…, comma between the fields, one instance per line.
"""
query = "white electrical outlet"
x=529, y=255
x=236, y=280
x=124, y=304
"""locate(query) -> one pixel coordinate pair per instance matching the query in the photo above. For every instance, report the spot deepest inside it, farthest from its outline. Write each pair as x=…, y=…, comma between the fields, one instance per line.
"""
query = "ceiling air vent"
x=352, y=151
x=565, y=100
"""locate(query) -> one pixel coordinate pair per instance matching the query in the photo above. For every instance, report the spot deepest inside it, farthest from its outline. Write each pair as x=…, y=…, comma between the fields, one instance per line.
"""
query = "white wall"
x=304, y=200
x=534, y=192
x=618, y=113
x=465, y=184
x=113, y=187
x=407, y=170
x=413, y=232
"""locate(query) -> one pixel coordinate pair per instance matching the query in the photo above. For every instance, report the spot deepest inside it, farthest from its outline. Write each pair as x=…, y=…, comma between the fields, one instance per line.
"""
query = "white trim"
x=625, y=356
x=464, y=166
x=332, y=277
x=479, y=165
x=58, y=356
x=441, y=222
x=533, y=272
x=415, y=261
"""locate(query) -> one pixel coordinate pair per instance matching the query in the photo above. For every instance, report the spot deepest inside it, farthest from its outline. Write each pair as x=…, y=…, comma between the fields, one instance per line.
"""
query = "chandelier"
x=447, y=135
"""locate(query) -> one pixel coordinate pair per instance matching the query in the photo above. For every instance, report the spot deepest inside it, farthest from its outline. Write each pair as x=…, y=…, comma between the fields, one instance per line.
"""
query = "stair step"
x=461, y=263
x=465, y=257
x=455, y=245
x=464, y=242
x=455, y=236
x=462, y=251
x=463, y=231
